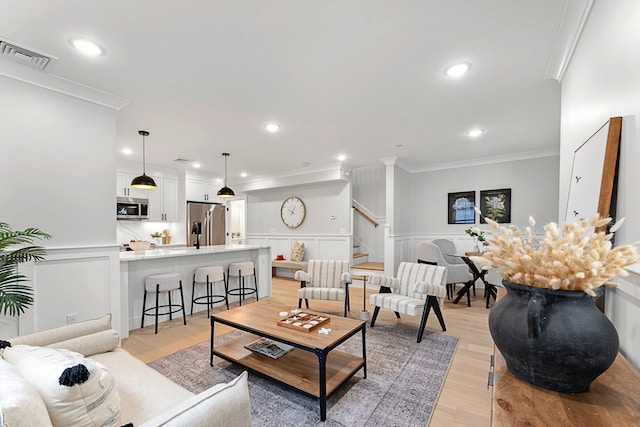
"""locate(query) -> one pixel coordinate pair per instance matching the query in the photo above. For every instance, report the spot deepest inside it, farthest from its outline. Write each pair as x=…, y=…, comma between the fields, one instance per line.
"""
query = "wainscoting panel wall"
x=81, y=282
x=324, y=246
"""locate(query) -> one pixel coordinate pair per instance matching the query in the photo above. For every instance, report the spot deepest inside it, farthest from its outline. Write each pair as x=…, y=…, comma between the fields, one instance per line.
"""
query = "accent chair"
x=324, y=280
x=415, y=291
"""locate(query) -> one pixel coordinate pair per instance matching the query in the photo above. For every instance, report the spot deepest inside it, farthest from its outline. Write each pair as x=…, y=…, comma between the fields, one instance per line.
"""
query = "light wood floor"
x=465, y=399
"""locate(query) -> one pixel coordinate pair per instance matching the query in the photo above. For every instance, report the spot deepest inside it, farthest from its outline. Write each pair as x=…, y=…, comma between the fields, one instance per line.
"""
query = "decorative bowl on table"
x=139, y=246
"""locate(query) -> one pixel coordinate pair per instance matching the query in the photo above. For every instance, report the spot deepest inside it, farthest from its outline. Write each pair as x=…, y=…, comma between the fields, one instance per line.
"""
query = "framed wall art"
x=460, y=207
x=592, y=186
x=496, y=205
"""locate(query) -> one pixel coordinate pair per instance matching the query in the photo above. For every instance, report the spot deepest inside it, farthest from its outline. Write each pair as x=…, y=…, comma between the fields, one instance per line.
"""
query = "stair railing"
x=364, y=214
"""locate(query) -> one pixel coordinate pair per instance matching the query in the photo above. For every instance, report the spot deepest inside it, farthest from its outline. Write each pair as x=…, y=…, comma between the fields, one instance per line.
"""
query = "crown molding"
x=36, y=77
x=570, y=29
x=324, y=173
x=490, y=160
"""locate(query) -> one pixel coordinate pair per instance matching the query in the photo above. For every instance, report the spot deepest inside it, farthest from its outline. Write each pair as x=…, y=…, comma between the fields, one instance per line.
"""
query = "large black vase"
x=553, y=339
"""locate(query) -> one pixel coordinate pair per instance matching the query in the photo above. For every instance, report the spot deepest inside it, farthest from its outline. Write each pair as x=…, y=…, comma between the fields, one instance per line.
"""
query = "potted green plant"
x=547, y=326
x=16, y=247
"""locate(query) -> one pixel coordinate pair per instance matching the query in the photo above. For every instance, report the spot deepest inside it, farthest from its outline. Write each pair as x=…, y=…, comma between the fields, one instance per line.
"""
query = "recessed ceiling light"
x=342, y=157
x=457, y=70
x=87, y=47
x=195, y=165
x=126, y=151
x=243, y=174
x=272, y=127
x=473, y=133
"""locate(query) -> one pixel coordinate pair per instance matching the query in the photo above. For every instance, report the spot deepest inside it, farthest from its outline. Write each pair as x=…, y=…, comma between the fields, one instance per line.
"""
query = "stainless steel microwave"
x=131, y=208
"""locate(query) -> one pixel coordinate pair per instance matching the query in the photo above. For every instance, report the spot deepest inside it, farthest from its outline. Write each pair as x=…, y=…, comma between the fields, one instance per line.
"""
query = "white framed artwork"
x=593, y=173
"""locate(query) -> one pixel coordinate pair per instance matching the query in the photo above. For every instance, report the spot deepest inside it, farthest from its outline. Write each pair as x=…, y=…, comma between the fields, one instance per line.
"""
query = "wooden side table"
x=612, y=400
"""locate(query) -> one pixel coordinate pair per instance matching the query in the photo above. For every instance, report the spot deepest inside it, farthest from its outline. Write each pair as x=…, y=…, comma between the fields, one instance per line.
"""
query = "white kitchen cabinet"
x=163, y=201
x=201, y=191
x=123, y=186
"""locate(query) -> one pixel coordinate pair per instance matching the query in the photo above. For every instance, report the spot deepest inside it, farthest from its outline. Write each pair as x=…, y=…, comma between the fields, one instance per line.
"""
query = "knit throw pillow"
x=297, y=252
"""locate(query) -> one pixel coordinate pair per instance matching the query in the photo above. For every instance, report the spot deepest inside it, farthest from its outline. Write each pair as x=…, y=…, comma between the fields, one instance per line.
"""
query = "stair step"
x=369, y=265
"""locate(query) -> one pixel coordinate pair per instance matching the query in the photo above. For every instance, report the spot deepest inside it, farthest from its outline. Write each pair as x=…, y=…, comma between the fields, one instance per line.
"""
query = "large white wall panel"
x=57, y=173
x=57, y=164
x=603, y=81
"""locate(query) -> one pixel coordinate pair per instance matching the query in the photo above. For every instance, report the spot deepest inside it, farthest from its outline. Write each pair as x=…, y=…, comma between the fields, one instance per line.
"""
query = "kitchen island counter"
x=183, y=260
x=186, y=251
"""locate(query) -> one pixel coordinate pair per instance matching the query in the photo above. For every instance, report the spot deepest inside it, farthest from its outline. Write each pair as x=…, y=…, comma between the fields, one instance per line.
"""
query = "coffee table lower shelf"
x=297, y=369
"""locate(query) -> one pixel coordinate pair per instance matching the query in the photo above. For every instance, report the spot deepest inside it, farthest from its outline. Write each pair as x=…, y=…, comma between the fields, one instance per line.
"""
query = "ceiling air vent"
x=183, y=161
x=24, y=55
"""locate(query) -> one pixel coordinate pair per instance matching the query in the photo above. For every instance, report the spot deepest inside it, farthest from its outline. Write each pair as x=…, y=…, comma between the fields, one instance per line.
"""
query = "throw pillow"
x=90, y=344
x=20, y=403
x=297, y=252
x=229, y=401
x=89, y=397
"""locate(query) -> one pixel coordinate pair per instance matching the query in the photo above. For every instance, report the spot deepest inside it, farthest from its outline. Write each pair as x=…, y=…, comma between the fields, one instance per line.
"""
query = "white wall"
x=603, y=81
x=534, y=191
x=368, y=188
x=57, y=163
x=368, y=184
x=324, y=236
x=321, y=201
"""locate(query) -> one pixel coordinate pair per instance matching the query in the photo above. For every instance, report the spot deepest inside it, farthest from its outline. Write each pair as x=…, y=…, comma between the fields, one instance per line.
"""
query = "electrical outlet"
x=72, y=318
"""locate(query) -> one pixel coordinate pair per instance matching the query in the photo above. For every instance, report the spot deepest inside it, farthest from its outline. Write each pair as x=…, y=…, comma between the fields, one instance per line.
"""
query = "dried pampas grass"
x=575, y=258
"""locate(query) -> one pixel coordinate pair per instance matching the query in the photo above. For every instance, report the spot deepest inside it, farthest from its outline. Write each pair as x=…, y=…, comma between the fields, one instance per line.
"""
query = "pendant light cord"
x=144, y=157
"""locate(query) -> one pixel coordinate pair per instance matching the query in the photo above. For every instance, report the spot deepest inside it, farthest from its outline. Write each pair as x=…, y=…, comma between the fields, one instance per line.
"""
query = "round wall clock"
x=293, y=212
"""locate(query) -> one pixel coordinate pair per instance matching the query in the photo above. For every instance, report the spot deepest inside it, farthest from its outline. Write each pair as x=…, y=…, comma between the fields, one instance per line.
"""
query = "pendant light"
x=225, y=192
x=143, y=181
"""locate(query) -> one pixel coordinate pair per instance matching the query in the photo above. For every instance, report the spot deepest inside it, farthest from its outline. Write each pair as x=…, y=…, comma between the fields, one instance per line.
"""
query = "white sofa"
x=129, y=391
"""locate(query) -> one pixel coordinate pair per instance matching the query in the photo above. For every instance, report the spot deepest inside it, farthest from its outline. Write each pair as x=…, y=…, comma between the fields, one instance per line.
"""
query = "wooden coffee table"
x=313, y=366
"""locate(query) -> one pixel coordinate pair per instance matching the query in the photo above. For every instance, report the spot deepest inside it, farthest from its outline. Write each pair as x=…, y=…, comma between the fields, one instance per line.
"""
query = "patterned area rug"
x=403, y=381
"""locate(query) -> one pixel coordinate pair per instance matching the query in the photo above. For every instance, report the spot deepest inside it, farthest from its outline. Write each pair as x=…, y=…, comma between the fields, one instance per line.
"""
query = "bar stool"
x=209, y=276
x=157, y=283
x=242, y=270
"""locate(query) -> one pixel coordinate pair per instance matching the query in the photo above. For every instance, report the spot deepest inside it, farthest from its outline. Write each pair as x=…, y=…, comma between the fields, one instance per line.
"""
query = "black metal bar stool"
x=241, y=270
x=167, y=282
x=209, y=276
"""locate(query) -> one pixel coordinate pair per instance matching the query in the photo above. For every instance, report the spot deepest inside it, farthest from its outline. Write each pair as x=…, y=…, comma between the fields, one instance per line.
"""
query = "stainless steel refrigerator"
x=205, y=223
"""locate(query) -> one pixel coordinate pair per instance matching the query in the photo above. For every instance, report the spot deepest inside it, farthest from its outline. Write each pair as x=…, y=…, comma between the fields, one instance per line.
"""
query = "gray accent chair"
x=457, y=271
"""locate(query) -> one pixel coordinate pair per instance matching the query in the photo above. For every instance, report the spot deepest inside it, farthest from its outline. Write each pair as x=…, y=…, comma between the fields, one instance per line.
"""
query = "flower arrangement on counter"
x=156, y=234
x=575, y=258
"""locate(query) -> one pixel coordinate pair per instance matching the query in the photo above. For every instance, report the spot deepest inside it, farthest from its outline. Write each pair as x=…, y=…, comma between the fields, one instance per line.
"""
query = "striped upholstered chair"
x=417, y=289
x=324, y=279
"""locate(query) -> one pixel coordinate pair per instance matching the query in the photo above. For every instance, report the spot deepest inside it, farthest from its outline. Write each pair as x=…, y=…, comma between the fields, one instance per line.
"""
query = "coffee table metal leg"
x=322, y=361
x=364, y=350
x=211, y=349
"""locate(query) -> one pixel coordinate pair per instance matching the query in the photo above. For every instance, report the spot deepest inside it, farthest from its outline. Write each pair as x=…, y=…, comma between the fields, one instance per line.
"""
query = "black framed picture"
x=496, y=205
x=460, y=207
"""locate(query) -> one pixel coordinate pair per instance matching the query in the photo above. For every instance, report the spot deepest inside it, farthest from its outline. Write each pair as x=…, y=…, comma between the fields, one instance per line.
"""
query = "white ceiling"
x=362, y=78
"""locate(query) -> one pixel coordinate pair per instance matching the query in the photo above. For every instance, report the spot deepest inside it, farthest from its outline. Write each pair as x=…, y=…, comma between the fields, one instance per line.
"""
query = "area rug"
x=403, y=381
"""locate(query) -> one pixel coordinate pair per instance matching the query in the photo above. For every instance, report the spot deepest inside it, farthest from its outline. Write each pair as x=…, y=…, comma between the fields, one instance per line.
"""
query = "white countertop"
x=184, y=251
